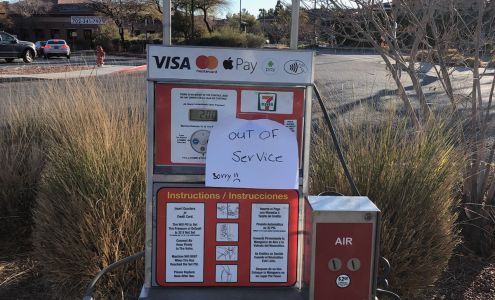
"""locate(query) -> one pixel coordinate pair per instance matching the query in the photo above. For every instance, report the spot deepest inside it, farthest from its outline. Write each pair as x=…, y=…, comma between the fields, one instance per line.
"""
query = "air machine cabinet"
x=342, y=238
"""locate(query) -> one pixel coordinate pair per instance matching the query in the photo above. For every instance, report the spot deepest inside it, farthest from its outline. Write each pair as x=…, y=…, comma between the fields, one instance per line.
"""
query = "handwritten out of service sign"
x=252, y=154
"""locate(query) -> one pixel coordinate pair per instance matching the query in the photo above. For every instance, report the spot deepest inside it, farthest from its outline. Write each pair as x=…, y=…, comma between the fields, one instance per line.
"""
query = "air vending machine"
x=231, y=240
x=341, y=247
x=224, y=241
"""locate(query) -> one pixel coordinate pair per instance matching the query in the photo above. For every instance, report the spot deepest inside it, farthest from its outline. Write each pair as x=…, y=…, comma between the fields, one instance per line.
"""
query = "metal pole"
x=192, y=19
x=167, y=23
x=294, y=29
x=240, y=15
x=314, y=25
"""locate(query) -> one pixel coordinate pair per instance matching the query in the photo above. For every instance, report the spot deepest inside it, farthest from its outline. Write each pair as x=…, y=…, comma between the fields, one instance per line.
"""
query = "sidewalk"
x=105, y=70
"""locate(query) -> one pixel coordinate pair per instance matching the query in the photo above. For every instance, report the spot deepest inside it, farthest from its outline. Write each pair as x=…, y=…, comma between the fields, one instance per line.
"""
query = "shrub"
x=21, y=154
x=105, y=36
x=228, y=37
x=90, y=208
x=411, y=177
x=452, y=58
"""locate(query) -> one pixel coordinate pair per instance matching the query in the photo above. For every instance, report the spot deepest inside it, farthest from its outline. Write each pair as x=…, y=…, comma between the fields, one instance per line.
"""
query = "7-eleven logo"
x=267, y=102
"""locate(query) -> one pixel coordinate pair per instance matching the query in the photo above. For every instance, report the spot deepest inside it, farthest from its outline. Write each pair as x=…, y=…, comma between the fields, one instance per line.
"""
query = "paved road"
x=345, y=78
x=79, y=59
x=349, y=79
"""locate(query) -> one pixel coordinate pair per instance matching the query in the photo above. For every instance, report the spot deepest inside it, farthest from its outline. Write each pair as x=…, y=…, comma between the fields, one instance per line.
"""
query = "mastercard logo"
x=206, y=62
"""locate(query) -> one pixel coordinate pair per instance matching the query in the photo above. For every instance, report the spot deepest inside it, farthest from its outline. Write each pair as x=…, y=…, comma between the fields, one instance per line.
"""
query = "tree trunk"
x=122, y=38
x=205, y=19
x=419, y=90
x=441, y=54
x=477, y=144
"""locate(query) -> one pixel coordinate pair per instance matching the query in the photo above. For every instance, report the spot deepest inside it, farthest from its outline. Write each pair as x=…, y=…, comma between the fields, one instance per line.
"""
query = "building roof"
x=72, y=1
x=72, y=7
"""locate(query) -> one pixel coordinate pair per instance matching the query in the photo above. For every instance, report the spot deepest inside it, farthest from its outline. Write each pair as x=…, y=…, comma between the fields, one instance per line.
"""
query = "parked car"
x=39, y=47
x=56, y=48
x=12, y=48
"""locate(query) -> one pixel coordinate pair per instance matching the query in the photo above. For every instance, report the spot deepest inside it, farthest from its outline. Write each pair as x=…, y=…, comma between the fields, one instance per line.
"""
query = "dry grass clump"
x=76, y=148
x=453, y=58
x=411, y=176
x=90, y=208
x=22, y=160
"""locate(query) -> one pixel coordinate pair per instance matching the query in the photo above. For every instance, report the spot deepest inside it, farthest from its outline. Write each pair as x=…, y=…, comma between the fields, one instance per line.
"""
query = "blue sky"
x=252, y=6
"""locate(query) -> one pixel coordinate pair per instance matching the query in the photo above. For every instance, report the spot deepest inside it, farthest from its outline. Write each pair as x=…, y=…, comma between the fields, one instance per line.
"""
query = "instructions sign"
x=226, y=237
x=269, y=242
x=185, y=114
x=193, y=113
x=185, y=233
x=252, y=154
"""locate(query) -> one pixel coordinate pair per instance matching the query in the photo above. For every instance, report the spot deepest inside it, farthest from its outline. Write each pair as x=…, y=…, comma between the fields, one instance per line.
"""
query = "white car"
x=56, y=47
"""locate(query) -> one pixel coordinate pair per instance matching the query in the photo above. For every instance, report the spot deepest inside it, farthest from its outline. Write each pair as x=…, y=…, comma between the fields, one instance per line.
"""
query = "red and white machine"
x=341, y=247
x=234, y=240
x=200, y=236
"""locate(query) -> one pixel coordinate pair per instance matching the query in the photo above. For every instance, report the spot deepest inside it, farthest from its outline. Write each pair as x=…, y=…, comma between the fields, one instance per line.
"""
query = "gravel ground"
x=467, y=278
x=32, y=69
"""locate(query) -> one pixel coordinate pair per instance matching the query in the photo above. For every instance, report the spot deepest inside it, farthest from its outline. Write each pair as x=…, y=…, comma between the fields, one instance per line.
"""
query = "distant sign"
x=230, y=65
x=252, y=154
x=87, y=20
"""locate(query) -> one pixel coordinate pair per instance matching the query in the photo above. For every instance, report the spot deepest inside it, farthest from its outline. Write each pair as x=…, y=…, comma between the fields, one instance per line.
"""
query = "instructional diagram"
x=240, y=237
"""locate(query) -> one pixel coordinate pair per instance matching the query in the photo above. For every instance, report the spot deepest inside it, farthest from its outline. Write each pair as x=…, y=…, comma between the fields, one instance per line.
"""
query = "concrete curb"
x=141, y=68
x=69, y=75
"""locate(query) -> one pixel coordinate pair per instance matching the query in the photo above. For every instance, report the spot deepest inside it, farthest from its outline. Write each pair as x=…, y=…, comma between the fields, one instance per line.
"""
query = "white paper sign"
x=185, y=237
x=269, y=242
x=252, y=154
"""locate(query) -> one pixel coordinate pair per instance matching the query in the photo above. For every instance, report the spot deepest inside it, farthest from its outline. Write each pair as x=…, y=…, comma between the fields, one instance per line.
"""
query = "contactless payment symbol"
x=267, y=102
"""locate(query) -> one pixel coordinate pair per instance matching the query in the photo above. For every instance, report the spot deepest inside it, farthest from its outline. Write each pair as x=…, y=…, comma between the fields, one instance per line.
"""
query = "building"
x=72, y=20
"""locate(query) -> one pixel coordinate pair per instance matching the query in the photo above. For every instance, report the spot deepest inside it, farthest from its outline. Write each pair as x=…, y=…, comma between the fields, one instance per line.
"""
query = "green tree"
x=252, y=24
x=279, y=28
x=28, y=8
x=5, y=20
x=208, y=7
x=121, y=12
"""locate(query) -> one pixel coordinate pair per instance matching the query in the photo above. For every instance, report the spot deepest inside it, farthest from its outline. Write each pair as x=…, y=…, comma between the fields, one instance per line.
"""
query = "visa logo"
x=173, y=63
